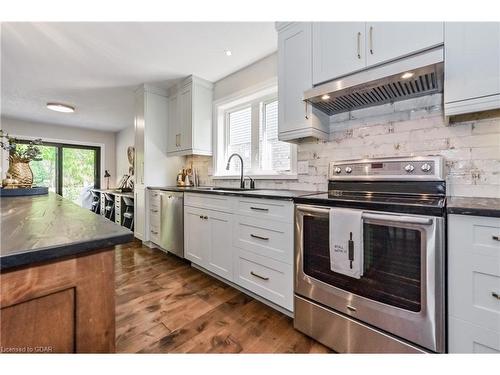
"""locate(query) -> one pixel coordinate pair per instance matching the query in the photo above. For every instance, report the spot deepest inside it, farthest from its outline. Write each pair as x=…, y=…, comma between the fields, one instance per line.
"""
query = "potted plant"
x=20, y=155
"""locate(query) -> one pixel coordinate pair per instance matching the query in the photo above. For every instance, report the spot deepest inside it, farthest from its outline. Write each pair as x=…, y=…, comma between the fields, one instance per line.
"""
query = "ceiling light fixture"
x=325, y=97
x=407, y=75
x=228, y=52
x=59, y=107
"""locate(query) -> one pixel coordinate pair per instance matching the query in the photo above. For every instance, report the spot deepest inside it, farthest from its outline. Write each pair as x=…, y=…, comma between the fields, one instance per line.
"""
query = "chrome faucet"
x=242, y=182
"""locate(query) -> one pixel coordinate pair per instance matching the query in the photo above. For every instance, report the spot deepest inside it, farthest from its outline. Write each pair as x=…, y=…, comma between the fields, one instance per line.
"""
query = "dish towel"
x=346, y=250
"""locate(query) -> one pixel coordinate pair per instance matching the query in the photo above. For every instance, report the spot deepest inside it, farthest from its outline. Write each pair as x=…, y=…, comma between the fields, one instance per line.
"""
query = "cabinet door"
x=338, y=48
x=185, y=118
x=196, y=236
x=220, y=251
x=173, y=125
x=472, y=63
x=139, y=138
x=390, y=40
x=139, y=213
x=295, y=117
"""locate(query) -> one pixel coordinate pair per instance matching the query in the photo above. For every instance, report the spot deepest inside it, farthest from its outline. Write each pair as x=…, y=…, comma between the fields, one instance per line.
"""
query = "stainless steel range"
x=395, y=302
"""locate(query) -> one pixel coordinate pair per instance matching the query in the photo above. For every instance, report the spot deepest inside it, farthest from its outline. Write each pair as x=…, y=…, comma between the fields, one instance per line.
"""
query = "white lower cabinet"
x=225, y=236
x=206, y=240
x=473, y=284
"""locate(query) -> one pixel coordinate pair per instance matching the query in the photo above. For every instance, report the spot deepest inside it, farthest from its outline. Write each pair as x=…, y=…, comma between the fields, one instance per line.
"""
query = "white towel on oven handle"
x=346, y=231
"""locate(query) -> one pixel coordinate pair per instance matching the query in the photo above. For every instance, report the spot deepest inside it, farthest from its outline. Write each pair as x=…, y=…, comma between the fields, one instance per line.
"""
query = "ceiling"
x=96, y=66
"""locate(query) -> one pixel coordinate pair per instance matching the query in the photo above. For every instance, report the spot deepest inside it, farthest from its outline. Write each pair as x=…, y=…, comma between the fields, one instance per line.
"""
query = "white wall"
x=124, y=139
x=65, y=134
x=259, y=72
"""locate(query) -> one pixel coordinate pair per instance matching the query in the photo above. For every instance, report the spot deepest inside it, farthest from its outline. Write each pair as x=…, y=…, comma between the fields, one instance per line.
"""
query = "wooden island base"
x=66, y=306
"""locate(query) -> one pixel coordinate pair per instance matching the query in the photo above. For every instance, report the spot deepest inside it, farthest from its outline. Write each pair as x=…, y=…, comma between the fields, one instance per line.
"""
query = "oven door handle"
x=399, y=219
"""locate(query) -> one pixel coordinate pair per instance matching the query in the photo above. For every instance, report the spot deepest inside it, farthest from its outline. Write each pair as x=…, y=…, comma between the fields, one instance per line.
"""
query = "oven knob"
x=348, y=169
x=409, y=168
x=338, y=170
x=426, y=167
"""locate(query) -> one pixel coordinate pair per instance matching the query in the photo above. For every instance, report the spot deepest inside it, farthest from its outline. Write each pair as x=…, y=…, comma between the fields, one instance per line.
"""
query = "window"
x=68, y=170
x=249, y=127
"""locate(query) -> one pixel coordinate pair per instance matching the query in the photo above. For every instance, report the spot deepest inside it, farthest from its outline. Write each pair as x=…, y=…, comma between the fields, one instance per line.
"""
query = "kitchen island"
x=57, y=276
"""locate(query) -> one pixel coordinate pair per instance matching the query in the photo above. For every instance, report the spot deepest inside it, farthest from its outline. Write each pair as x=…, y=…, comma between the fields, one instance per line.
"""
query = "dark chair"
x=128, y=214
x=109, y=207
x=96, y=202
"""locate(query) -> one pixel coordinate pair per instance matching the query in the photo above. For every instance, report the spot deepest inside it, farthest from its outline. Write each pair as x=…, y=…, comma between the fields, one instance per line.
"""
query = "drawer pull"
x=351, y=308
x=154, y=232
x=495, y=295
x=496, y=237
x=259, y=209
x=260, y=277
x=259, y=237
x=154, y=210
x=204, y=217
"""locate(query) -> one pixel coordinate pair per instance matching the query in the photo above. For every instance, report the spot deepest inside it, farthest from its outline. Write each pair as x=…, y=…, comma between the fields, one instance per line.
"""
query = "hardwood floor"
x=163, y=305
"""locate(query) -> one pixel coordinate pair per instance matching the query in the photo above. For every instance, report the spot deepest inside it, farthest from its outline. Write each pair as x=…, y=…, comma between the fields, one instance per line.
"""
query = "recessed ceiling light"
x=407, y=75
x=325, y=97
x=59, y=107
x=228, y=52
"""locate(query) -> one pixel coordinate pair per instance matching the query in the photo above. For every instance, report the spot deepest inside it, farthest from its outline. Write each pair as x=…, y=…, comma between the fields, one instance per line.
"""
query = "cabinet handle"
x=371, y=40
x=260, y=277
x=306, y=115
x=259, y=237
x=496, y=237
x=495, y=295
x=154, y=232
x=359, y=45
x=259, y=209
x=204, y=217
x=154, y=210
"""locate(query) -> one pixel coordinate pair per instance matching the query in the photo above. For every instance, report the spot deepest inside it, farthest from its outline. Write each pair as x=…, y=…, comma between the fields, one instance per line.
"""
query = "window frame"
x=222, y=110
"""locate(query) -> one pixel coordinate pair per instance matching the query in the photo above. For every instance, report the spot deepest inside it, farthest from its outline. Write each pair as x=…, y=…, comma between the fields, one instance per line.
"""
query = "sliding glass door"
x=68, y=170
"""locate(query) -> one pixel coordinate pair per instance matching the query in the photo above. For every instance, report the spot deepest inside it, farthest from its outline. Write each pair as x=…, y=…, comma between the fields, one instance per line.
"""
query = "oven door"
x=402, y=287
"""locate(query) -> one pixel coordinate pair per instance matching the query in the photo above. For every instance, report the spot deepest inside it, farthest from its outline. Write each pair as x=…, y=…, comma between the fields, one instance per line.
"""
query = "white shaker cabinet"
x=387, y=41
x=472, y=67
x=296, y=118
x=473, y=284
x=207, y=240
x=152, y=166
x=342, y=48
x=338, y=49
x=190, y=125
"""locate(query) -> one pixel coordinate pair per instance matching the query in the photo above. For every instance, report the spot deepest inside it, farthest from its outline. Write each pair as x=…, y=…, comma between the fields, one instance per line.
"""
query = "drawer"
x=154, y=197
x=154, y=220
x=464, y=337
x=268, y=238
x=265, y=277
x=210, y=201
x=266, y=209
x=154, y=233
x=474, y=271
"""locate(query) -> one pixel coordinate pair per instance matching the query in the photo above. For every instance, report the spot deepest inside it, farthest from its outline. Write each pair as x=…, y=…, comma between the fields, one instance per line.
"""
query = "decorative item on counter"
x=19, y=159
x=124, y=185
x=131, y=168
x=184, y=177
x=8, y=182
x=107, y=176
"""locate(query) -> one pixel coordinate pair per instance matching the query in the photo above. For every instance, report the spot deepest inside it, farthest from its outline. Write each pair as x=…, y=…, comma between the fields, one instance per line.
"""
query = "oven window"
x=392, y=263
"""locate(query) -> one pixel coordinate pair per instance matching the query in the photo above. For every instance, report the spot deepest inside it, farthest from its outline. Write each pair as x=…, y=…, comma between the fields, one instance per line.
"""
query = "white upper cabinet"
x=472, y=67
x=190, y=118
x=391, y=40
x=338, y=49
x=342, y=48
x=296, y=119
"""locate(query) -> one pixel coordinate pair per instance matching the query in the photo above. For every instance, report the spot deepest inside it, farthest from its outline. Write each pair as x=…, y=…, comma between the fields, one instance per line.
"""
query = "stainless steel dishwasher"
x=172, y=222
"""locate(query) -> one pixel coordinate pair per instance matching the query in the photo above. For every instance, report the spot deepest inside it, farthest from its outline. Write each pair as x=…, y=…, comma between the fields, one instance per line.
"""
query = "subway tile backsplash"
x=471, y=147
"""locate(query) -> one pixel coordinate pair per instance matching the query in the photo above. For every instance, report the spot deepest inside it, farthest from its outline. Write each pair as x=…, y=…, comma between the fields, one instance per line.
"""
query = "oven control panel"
x=412, y=168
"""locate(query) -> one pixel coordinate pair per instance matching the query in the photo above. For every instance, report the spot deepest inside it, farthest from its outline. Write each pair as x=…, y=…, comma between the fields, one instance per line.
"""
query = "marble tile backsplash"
x=470, y=146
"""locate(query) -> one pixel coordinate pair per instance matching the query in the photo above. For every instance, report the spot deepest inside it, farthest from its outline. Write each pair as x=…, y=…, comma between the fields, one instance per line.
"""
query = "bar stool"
x=96, y=202
x=109, y=207
x=128, y=215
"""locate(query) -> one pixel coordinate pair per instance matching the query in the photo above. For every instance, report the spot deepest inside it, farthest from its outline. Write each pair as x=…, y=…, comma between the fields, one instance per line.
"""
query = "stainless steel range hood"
x=413, y=76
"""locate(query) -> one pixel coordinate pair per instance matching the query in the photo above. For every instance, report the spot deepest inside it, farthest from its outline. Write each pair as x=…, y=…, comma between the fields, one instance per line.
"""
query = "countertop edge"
x=470, y=211
x=54, y=253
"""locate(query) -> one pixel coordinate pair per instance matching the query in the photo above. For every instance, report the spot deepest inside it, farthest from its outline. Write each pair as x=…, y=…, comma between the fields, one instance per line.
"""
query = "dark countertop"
x=473, y=206
x=48, y=227
x=256, y=193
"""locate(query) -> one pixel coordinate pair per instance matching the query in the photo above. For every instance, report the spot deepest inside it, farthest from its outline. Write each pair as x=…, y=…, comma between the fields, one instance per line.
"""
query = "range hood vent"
x=348, y=94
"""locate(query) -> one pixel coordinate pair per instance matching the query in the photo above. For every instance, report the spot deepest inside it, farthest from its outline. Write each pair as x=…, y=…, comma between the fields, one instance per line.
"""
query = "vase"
x=21, y=172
